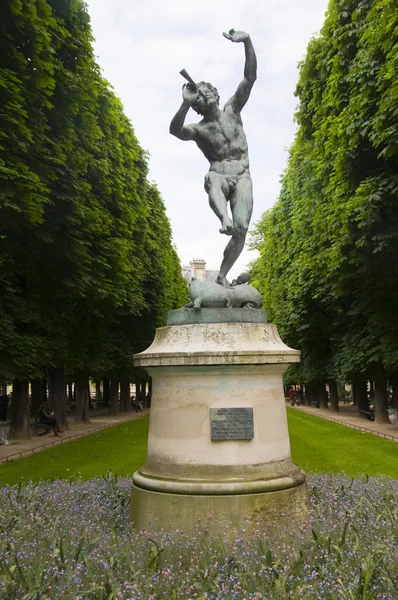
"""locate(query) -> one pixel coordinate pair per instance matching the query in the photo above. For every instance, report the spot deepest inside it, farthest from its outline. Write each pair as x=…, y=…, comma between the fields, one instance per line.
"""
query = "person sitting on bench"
x=47, y=418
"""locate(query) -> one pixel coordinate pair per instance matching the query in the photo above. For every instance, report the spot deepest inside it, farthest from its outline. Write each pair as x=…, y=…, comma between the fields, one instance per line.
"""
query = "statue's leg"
x=218, y=189
x=241, y=202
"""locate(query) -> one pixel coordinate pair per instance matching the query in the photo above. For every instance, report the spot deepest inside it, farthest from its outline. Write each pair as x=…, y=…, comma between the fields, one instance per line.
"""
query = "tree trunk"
x=341, y=392
x=359, y=395
x=39, y=394
x=312, y=394
x=114, y=396
x=300, y=394
x=142, y=392
x=82, y=388
x=106, y=391
x=381, y=396
x=323, y=395
x=90, y=403
x=19, y=412
x=307, y=396
x=334, y=396
x=145, y=394
x=57, y=394
x=148, y=395
x=137, y=390
x=70, y=392
x=125, y=401
x=98, y=393
x=355, y=393
x=3, y=389
x=320, y=393
x=394, y=398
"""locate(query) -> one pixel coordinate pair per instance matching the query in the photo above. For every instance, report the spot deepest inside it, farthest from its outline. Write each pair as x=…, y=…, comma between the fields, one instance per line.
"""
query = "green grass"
x=317, y=446
x=121, y=448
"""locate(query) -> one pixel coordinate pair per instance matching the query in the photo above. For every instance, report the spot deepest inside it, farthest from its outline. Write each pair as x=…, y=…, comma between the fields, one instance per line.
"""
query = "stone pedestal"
x=228, y=485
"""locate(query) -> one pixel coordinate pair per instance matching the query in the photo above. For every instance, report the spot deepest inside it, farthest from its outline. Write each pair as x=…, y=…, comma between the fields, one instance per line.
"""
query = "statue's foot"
x=223, y=281
x=227, y=228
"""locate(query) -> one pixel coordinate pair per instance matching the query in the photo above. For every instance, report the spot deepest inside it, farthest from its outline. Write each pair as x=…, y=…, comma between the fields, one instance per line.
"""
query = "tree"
x=332, y=282
x=79, y=261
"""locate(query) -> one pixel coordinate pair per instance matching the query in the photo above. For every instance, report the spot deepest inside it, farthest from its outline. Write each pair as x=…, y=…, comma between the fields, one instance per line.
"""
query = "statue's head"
x=208, y=95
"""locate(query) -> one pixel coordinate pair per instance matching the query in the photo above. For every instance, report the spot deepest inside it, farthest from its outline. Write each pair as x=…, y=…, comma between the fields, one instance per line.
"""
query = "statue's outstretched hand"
x=189, y=94
x=236, y=36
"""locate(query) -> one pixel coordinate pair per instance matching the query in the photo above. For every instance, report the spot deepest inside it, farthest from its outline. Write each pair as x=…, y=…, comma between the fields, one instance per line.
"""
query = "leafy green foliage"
x=329, y=247
x=85, y=244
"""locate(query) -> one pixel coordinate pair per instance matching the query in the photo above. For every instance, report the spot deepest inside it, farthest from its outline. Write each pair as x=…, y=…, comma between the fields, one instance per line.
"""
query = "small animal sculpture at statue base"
x=208, y=294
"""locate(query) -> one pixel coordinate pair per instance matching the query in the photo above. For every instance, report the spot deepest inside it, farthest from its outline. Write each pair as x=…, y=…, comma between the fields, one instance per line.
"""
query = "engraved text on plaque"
x=231, y=423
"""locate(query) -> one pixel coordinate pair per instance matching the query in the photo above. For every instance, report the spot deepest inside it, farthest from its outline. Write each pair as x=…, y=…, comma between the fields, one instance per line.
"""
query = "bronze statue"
x=222, y=140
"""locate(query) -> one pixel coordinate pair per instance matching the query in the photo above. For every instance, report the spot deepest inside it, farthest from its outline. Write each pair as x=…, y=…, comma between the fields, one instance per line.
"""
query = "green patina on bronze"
x=221, y=138
x=189, y=316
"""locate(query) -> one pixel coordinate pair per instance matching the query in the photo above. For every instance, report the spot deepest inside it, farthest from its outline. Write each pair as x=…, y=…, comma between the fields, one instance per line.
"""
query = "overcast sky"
x=141, y=46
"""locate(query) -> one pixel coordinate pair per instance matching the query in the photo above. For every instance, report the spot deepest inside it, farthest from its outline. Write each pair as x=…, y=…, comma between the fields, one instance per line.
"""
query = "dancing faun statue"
x=220, y=136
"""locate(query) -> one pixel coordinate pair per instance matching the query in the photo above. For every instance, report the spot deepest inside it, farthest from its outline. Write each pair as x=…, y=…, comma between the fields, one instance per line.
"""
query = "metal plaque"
x=231, y=423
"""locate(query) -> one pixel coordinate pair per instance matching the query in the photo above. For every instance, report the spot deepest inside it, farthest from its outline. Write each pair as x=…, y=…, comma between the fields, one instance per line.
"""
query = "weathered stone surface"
x=221, y=480
x=227, y=516
x=217, y=344
x=197, y=369
x=179, y=443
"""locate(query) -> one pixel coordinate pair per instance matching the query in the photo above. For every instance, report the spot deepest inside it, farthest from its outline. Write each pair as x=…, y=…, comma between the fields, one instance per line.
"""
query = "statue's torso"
x=224, y=143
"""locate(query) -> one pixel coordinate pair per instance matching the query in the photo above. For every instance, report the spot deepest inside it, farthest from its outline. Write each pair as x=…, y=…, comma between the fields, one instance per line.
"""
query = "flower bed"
x=62, y=540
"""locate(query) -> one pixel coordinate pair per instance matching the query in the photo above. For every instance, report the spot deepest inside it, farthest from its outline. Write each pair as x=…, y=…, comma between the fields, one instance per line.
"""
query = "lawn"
x=121, y=448
x=317, y=446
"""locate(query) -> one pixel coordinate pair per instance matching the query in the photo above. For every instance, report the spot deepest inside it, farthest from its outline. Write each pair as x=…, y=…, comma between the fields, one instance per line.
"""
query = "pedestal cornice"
x=217, y=344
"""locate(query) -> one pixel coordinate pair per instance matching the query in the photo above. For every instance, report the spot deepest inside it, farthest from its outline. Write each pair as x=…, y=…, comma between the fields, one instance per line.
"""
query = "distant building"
x=197, y=269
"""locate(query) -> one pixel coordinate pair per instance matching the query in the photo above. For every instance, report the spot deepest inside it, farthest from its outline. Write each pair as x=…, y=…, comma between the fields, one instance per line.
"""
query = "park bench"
x=40, y=428
x=370, y=414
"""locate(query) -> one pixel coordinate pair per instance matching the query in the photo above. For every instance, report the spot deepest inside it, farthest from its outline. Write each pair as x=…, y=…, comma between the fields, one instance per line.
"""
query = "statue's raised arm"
x=242, y=93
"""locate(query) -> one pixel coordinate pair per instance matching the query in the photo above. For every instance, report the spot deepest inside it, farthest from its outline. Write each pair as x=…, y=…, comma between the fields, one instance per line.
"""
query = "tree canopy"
x=87, y=264
x=328, y=264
